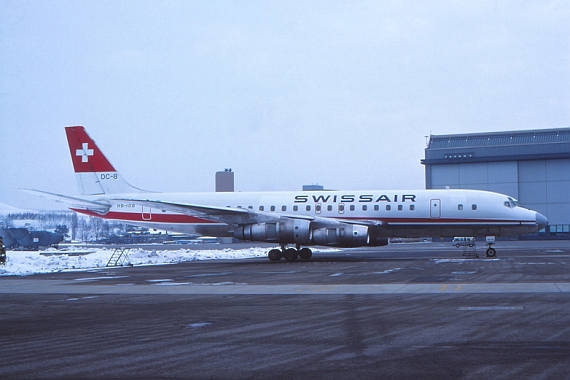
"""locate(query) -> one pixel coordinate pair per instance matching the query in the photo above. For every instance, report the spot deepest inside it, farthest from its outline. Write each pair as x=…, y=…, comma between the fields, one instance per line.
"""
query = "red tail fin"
x=85, y=154
x=94, y=173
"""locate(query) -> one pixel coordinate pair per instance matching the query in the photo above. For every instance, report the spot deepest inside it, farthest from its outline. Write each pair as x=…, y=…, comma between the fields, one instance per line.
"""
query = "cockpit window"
x=511, y=203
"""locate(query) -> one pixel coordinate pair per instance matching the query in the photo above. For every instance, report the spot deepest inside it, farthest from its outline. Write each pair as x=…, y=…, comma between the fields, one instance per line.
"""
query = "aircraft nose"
x=541, y=221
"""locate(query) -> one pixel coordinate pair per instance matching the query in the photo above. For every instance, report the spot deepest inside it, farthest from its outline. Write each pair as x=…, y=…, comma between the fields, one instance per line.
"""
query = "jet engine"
x=286, y=231
x=376, y=241
x=345, y=235
x=302, y=232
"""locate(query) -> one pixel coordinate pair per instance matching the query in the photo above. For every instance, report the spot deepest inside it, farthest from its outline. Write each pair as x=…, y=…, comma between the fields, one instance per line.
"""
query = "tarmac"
x=405, y=311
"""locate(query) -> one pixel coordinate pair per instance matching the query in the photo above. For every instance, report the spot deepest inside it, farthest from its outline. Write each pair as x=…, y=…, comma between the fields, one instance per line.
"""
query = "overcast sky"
x=286, y=93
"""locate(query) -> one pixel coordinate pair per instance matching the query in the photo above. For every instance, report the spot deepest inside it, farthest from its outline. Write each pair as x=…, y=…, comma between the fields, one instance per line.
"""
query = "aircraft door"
x=146, y=213
x=435, y=208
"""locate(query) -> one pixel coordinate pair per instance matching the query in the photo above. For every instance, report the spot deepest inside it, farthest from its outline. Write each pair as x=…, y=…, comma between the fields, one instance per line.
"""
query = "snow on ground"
x=21, y=263
x=31, y=262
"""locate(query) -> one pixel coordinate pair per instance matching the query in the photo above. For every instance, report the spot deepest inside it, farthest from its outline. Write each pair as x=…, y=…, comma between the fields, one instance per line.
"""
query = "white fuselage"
x=396, y=213
x=326, y=218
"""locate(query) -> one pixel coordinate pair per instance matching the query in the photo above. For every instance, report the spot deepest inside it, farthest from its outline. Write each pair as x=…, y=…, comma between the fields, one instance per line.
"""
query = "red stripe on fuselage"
x=438, y=220
x=154, y=217
x=187, y=219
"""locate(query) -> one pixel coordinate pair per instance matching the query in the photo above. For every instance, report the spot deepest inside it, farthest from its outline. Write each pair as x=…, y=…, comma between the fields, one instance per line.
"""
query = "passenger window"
x=283, y=208
x=400, y=207
x=376, y=207
x=295, y=208
x=272, y=208
x=460, y=207
x=352, y=207
x=473, y=207
x=317, y=208
x=308, y=208
x=329, y=208
x=250, y=207
x=261, y=208
x=364, y=207
x=341, y=208
x=388, y=207
x=412, y=207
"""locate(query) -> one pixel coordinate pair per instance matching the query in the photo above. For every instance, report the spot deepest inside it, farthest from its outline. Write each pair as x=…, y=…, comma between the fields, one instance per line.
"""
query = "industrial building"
x=532, y=166
x=225, y=181
x=313, y=187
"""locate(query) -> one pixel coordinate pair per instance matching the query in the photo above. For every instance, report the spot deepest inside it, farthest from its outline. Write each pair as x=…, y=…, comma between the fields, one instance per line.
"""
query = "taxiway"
x=405, y=311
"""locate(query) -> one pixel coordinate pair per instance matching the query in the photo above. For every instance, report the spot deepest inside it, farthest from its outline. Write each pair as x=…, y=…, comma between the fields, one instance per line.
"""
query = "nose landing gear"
x=491, y=252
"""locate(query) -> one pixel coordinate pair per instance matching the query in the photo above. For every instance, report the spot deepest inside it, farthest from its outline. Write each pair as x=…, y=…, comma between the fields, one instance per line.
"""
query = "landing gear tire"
x=305, y=254
x=274, y=255
x=291, y=254
x=491, y=252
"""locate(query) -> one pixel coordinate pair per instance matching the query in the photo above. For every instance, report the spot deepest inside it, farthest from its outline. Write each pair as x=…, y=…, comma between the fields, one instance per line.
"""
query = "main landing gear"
x=290, y=254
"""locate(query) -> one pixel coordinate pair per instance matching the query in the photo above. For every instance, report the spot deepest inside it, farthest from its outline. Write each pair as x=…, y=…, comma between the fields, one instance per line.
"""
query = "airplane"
x=352, y=218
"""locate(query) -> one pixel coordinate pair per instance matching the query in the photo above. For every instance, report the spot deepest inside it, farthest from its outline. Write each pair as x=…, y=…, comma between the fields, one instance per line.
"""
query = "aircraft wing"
x=321, y=222
x=228, y=215
x=237, y=216
x=100, y=207
x=364, y=222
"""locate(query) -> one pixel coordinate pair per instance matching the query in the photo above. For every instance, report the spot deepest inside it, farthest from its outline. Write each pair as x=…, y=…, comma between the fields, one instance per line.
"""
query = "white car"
x=459, y=241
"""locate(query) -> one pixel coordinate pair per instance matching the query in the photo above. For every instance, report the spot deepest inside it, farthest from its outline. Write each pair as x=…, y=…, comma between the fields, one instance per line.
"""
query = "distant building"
x=312, y=187
x=22, y=238
x=532, y=166
x=225, y=181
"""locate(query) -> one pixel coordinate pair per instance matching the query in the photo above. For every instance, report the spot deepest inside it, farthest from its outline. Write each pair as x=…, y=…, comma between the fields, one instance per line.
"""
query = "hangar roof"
x=538, y=136
x=498, y=146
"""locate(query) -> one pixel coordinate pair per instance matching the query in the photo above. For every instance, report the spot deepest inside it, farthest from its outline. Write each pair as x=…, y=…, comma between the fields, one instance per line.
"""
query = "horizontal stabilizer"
x=100, y=207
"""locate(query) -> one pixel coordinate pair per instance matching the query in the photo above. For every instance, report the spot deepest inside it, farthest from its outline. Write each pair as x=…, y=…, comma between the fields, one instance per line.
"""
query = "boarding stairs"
x=470, y=251
x=120, y=258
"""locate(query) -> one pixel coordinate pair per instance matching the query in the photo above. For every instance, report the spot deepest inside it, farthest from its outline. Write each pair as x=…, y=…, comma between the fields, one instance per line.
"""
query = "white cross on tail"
x=84, y=153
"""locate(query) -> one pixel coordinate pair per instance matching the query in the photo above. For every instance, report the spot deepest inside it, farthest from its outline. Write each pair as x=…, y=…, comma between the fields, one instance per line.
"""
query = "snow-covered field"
x=30, y=262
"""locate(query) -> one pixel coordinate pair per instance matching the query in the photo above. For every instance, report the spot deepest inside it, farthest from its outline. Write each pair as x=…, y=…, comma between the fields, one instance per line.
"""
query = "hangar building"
x=532, y=166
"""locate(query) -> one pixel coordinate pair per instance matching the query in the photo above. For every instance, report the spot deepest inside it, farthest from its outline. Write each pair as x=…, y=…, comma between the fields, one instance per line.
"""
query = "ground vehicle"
x=459, y=241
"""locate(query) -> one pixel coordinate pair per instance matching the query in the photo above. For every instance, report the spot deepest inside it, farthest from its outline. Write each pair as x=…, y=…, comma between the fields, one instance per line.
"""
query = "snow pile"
x=29, y=262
